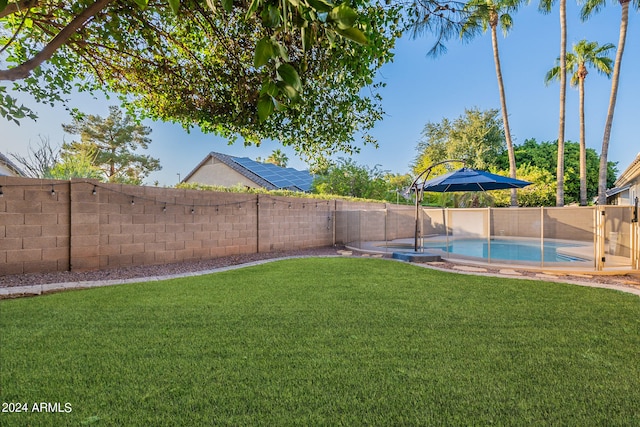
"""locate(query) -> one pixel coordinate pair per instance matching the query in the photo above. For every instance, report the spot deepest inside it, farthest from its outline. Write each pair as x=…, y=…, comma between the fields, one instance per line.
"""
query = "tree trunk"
x=505, y=115
x=583, y=148
x=563, y=94
x=602, y=179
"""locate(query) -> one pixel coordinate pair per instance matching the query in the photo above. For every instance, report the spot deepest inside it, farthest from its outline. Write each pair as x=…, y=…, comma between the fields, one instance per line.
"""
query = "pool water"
x=506, y=250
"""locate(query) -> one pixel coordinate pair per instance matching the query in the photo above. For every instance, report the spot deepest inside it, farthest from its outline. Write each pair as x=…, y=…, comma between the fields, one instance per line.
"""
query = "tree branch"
x=14, y=7
x=15, y=34
x=23, y=70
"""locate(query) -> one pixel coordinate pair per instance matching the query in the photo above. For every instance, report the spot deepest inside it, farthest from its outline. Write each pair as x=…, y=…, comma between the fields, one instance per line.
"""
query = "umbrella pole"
x=415, y=243
x=425, y=173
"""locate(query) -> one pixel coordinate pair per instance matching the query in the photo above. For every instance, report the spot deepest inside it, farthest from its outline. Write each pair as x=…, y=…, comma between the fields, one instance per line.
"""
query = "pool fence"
x=576, y=237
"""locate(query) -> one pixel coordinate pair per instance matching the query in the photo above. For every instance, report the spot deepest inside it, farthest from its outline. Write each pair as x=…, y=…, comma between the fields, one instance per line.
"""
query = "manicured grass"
x=330, y=341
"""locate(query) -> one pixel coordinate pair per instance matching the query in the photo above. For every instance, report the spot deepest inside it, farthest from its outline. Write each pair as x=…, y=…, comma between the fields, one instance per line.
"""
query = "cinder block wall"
x=351, y=218
x=570, y=223
x=400, y=222
x=89, y=225
x=358, y=222
x=83, y=225
x=522, y=222
x=130, y=225
x=294, y=223
x=34, y=225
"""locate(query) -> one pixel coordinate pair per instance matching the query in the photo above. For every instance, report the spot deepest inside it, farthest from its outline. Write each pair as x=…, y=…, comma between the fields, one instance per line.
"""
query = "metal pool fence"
x=593, y=238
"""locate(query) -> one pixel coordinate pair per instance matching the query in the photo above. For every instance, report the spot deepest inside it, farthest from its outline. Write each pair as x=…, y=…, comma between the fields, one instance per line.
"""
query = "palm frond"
x=506, y=22
x=545, y=5
x=443, y=20
x=591, y=7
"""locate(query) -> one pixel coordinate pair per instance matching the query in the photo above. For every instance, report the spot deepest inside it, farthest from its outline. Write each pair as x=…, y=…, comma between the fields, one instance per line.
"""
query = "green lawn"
x=332, y=341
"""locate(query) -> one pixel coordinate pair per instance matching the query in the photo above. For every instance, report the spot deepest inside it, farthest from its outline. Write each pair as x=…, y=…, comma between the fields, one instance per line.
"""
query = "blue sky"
x=422, y=89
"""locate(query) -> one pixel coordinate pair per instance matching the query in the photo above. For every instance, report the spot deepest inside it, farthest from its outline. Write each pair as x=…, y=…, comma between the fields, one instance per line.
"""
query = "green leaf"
x=331, y=36
x=288, y=91
x=353, y=34
x=252, y=8
x=271, y=16
x=343, y=16
x=3, y=4
x=175, y=5
x=142, y=4
x=290, y=76
x=227, y=5
x=269, y=88
x=281, y=50
x=279, y=106
x=307, y=37
x=264, y=52
x=265, y=107
x=320, y=5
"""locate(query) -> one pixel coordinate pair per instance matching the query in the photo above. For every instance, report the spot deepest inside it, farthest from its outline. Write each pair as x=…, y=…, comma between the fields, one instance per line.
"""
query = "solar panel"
x=276, y=175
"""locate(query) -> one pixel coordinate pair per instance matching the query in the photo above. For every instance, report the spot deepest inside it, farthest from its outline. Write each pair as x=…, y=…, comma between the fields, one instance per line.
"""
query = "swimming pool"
x=508, y=250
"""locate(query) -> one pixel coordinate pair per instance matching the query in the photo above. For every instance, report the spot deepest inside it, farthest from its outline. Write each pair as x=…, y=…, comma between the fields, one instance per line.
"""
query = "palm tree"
x=545, y=6
x=484, y=15
x=590, y=7
x=278, y=158
x=585, y=54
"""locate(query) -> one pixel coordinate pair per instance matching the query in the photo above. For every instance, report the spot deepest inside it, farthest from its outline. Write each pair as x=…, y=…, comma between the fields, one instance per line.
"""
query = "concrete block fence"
x=49, y=225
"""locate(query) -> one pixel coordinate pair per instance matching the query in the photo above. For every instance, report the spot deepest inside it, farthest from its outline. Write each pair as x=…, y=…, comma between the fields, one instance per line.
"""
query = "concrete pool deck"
x=580, y=250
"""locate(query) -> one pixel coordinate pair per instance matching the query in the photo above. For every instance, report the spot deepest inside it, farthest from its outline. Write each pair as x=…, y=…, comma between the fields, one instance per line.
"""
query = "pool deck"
x=613, y=265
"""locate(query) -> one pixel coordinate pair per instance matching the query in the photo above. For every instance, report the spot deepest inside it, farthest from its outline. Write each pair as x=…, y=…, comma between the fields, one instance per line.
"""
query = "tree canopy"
x=110, y=145
x=292, y=71
x=543, y=155
x=476, y=137
x=278, y=158
x=346, y=178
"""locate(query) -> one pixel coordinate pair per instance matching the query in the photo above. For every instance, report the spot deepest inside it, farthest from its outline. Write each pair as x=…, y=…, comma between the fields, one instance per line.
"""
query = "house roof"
x=266, y=175
x=630, y=173
x=616, y=190
x=4, y=160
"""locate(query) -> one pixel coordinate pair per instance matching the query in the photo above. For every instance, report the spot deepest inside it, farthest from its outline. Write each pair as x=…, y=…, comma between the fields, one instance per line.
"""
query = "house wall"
x=7, y=168
x=622, y=199
x=214, y=172
x=6, y=171
x=632, y=193
x=630, y=176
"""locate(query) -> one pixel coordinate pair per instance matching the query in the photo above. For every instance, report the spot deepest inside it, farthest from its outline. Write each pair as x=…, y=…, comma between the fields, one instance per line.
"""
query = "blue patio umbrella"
x=466, y=179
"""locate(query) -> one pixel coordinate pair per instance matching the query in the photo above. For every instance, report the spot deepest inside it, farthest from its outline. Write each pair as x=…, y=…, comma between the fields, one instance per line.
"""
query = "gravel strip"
x=124, y=274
